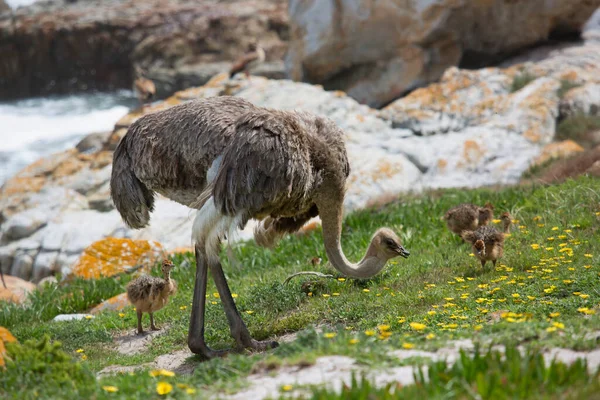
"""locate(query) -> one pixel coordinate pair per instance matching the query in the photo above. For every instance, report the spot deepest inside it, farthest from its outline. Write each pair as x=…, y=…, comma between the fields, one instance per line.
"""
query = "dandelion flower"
x=551, y=329
x=88, y=317
x=121, y=315
x=384, y=335
x=79, y=350
x=84, y=357
x=249, y=312
x=516, y=295
x=430, y=336
x=353, y=341
x=558, y=325
x=408, y=346
x=401, y=320
x=584, y=296
x=555, y=228
x=234, y=295
x=163, y=388
x=337, y=294
x=383, y=327
x=110, y=389
x=329, y=335
x=326, y=295
x=183, y=308
x=431, y=312
x=587, y=311
x=588, y=255
x=190, y=391
x=417, y=326
x=478, y=327
x=161, y=372
x=286, y=388
x=216, y=295
x=369, y=332
x=342, y=279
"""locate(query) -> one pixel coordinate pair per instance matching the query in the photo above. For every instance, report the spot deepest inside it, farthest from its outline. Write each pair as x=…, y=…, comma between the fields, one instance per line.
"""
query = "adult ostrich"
x=234, y=161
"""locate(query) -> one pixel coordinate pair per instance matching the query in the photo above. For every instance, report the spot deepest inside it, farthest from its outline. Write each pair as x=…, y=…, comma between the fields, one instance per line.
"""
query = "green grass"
x=483, y=375
x=537, y=296
x=565, y=86
x=521, y=80
x=576, y=127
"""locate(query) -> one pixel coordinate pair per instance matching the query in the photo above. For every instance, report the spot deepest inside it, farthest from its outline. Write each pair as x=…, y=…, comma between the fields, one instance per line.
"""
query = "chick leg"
x=238, y=328
x=140, y=331
x=152, y=326
x=196, y=341
x=483, y=264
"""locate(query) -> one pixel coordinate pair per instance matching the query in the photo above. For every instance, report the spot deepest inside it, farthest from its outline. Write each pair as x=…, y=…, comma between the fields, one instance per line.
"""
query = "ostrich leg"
x=196, y=341
x=238, y=328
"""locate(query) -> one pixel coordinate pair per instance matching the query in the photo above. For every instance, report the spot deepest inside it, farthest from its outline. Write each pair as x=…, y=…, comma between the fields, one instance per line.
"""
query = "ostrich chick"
x=150, y=294
x=488, y=243
x=467, y=217
x=506, y=222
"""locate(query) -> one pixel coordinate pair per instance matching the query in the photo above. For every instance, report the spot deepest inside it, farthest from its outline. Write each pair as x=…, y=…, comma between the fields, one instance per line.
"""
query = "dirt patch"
x=178, y=362
x=132, y=343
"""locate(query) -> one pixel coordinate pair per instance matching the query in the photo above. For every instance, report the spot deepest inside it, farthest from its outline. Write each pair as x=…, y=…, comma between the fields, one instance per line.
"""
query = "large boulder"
x=3, y=6
x=60, y=46
x=378, y=50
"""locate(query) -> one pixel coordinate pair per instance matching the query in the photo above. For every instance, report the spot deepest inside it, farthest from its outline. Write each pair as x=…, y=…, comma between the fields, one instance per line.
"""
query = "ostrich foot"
x=200, y=348
x=155, y=328
x=261, y=345
x=140, y=332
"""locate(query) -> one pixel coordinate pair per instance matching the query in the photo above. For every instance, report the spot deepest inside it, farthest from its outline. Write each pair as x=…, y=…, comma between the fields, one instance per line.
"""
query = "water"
x=37, y=127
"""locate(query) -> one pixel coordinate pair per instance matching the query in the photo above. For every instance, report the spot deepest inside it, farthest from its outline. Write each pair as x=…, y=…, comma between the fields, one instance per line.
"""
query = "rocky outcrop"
x=94, y=44
x=473, y=128
x=378, y=50
x=16, y=290
x=3, y=6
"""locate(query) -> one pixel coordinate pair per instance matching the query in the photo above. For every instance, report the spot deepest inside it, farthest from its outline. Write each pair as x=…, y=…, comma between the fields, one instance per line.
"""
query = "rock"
x=5, y=335
x=3, y=7
x=556, y=150
x=116, y=303
x=48, y=281
x=7, y=256
x=72, y=317
x=332, y=42
x=23, y=266
x=92, y=142
x=23, y=224
x=95, y=44
x=581, y=100
x=44, y=265
x=112, y=256
x=16, y=290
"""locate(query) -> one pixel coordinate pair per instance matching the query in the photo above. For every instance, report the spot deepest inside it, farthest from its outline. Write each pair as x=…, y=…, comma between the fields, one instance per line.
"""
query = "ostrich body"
x=255, y=56
x=467, y=217
x=149, y=294
x=487, y=242
x=234, y=161
x=143, y=87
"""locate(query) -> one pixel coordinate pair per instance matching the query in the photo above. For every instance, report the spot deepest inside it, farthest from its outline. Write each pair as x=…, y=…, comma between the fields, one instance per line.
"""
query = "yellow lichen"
x=5, y=337
x=111, y=256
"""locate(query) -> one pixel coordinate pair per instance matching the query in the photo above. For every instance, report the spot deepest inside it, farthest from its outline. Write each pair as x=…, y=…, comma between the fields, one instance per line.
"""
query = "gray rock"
x=92, y=142
x=7, y=257
x=72, y=317
x=23, y=224
x=47, y=282
x=584, y=99
x=332, y=43
x=22, y=266
x=44, y=265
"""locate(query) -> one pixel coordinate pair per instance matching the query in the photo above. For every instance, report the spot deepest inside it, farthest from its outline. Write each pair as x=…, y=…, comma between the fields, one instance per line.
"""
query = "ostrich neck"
x=507, y=226
x=331, y=218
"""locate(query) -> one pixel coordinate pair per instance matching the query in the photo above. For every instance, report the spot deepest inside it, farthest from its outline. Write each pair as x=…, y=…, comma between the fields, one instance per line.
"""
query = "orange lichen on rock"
x=5, y=337
x=116, y=303
x=562, y=149
x=111, y=256
x=472, y=151
x=385, y=169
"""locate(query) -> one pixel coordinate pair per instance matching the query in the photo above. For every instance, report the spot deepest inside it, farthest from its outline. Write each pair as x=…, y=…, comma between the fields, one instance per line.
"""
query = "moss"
x=565, y=86
x=521, y=80
x=576, y=127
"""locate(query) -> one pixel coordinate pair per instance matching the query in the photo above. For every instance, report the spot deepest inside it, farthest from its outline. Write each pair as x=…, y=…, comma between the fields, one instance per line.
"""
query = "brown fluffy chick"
x=506, y=222
x=467, y=217
x=149, y=294
x=487, y=242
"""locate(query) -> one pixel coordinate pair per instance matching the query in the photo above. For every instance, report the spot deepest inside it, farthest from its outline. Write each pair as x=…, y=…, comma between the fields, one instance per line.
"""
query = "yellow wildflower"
x=110, y=389
x=383, y=327
x=326, y=295
x=342, y=279
x=584, y=296
x=551, y=329
x=366, y=290
x=183, y=308
x=163, y=388
x=516, y=295
x=401, y=320
x=353, y=341
x=478, y=327
x=234, y=295
x=79, y=350
x=431, y=312
x=369, y=332
x=554, y=314
x=88, y=317
x=430, y=336
x=558, y=325
x=161, y=372
x=121, y=315
x=190, y=390
x=588, y=255
x=555, y=228
x=417, y=326
x=84, y=357
x=531, y=297
x=286, y=388
x=337, y=294
x=329, y=335
x=408, y=345
x=249, y=312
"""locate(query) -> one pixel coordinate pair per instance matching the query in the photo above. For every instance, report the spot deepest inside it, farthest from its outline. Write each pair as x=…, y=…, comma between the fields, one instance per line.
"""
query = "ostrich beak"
x=403, y=252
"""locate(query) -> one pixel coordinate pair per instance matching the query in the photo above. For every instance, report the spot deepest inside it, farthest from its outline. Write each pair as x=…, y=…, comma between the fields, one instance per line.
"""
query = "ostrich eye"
x=390, y=242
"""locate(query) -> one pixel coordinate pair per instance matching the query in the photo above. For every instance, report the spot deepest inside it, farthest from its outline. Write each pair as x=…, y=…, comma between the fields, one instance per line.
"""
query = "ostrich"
x=254, y=57
x=233, y=161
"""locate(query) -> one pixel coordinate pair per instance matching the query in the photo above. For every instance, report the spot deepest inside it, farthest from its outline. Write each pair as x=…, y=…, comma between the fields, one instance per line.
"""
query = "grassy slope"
x=550, y=292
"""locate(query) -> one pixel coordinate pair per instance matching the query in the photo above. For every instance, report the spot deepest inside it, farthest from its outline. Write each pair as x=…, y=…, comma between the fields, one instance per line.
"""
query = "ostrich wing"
x=267, y=168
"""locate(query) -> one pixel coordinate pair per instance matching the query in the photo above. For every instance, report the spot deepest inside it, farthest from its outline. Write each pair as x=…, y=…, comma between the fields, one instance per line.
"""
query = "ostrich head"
x=486, y=214
x=166, y=267
x=506, y=221
x=385, y=245
x=479, y=248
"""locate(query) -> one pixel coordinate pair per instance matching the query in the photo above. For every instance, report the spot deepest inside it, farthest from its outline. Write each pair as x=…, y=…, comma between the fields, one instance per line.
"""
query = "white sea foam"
x=34, y=128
